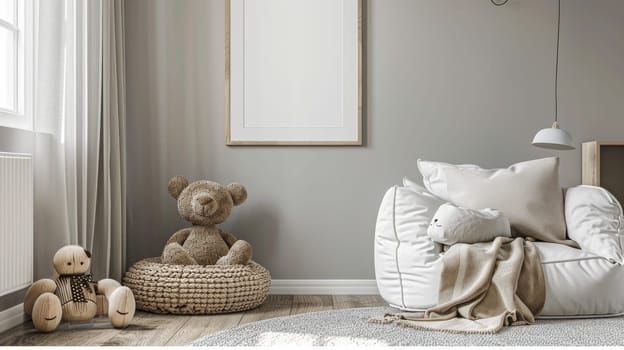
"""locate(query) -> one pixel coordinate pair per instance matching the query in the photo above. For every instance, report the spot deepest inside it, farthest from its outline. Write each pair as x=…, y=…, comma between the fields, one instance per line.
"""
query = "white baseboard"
x=324, y=287
x=12, y=317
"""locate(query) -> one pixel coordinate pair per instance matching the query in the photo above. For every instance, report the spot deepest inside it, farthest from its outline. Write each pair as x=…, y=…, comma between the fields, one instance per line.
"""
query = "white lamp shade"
x=553, y=138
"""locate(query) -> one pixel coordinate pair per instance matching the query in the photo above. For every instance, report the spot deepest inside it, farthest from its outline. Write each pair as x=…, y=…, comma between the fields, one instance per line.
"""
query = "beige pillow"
x=528, y=193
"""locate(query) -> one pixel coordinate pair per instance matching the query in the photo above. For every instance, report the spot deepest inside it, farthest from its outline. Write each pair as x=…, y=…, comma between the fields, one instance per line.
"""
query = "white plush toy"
x=452, y=224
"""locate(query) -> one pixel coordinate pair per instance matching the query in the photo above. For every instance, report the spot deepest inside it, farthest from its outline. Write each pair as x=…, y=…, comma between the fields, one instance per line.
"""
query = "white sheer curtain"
x=79, y=119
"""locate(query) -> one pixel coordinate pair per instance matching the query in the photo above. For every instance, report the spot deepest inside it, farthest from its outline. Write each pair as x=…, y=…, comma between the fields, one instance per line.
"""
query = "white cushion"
x=434, y=177
x=528, y=193
x=595, y=221
x=413, y=185
x=452, y=224
x=405, y=258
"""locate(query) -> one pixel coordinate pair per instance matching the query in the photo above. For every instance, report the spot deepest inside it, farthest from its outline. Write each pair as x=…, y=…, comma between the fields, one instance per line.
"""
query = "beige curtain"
x=80, y=184
x=109, y=237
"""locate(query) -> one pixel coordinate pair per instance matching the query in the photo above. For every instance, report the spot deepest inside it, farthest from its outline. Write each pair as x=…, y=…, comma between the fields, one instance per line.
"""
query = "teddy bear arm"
x=229, y=238
x=41, y=286
x=180, y=236
x=240, y=254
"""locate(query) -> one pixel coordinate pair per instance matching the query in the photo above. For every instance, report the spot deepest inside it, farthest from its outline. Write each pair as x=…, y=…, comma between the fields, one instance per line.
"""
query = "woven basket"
x=197, y=289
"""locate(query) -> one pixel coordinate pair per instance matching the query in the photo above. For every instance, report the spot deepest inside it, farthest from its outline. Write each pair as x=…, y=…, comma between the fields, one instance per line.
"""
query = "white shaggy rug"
x=350, y=327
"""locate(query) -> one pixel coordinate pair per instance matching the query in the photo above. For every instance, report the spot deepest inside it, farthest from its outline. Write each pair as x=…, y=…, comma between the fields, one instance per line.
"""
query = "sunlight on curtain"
x=79, y=119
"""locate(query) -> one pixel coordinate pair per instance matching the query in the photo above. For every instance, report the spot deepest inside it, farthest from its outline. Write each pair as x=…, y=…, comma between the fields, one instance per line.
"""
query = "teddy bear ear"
x=176, y=185
x=238, y=193
x=88, y=253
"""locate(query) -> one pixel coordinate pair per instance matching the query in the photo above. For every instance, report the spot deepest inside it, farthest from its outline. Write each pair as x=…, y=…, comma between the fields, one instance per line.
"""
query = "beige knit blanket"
x=483, y=288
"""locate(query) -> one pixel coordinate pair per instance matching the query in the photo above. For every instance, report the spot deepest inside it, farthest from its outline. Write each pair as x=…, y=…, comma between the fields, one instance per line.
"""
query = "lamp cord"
x=557, y=58
x=556, y=55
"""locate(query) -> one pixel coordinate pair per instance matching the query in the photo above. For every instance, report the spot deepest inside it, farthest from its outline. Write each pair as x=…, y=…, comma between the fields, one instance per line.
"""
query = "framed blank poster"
x=293, y=72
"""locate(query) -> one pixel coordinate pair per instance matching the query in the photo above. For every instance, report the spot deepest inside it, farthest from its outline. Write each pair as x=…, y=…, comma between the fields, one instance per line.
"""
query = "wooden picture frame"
x=603, y=165
x=252, y=114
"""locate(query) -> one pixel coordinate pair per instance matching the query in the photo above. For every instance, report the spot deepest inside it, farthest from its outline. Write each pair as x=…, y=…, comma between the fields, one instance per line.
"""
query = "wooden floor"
x=154, y=329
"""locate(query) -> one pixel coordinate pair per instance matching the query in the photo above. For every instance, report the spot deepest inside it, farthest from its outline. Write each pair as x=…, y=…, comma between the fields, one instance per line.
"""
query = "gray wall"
x=459, y=81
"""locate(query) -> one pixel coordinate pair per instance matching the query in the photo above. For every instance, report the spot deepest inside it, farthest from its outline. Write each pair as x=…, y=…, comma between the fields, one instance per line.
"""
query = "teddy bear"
x=205, y=204
x=72, y=295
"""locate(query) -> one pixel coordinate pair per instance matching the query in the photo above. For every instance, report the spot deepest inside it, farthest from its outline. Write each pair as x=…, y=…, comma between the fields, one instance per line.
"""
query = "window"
x=15, y=69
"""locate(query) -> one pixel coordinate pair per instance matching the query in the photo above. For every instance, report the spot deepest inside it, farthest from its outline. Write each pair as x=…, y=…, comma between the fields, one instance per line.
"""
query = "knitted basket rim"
x=157, y=261
x=197, y=289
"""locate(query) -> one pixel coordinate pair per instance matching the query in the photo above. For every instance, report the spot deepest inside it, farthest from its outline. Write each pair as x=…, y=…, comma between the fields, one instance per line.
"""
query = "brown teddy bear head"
x=205, y=202
x=72, y=260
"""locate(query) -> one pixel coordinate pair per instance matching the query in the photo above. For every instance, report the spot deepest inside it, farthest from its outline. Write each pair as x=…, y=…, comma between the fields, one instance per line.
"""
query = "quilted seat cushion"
x=406, y=259
x=580, y=283
x=407, y=263
x=596, y=221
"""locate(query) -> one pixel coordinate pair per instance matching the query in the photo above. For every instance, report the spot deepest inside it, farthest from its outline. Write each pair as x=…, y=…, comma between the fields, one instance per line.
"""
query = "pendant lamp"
x=554, y=137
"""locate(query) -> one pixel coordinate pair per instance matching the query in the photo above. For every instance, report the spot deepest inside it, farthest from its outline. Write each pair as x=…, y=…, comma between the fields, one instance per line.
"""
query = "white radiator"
x=16, y=222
